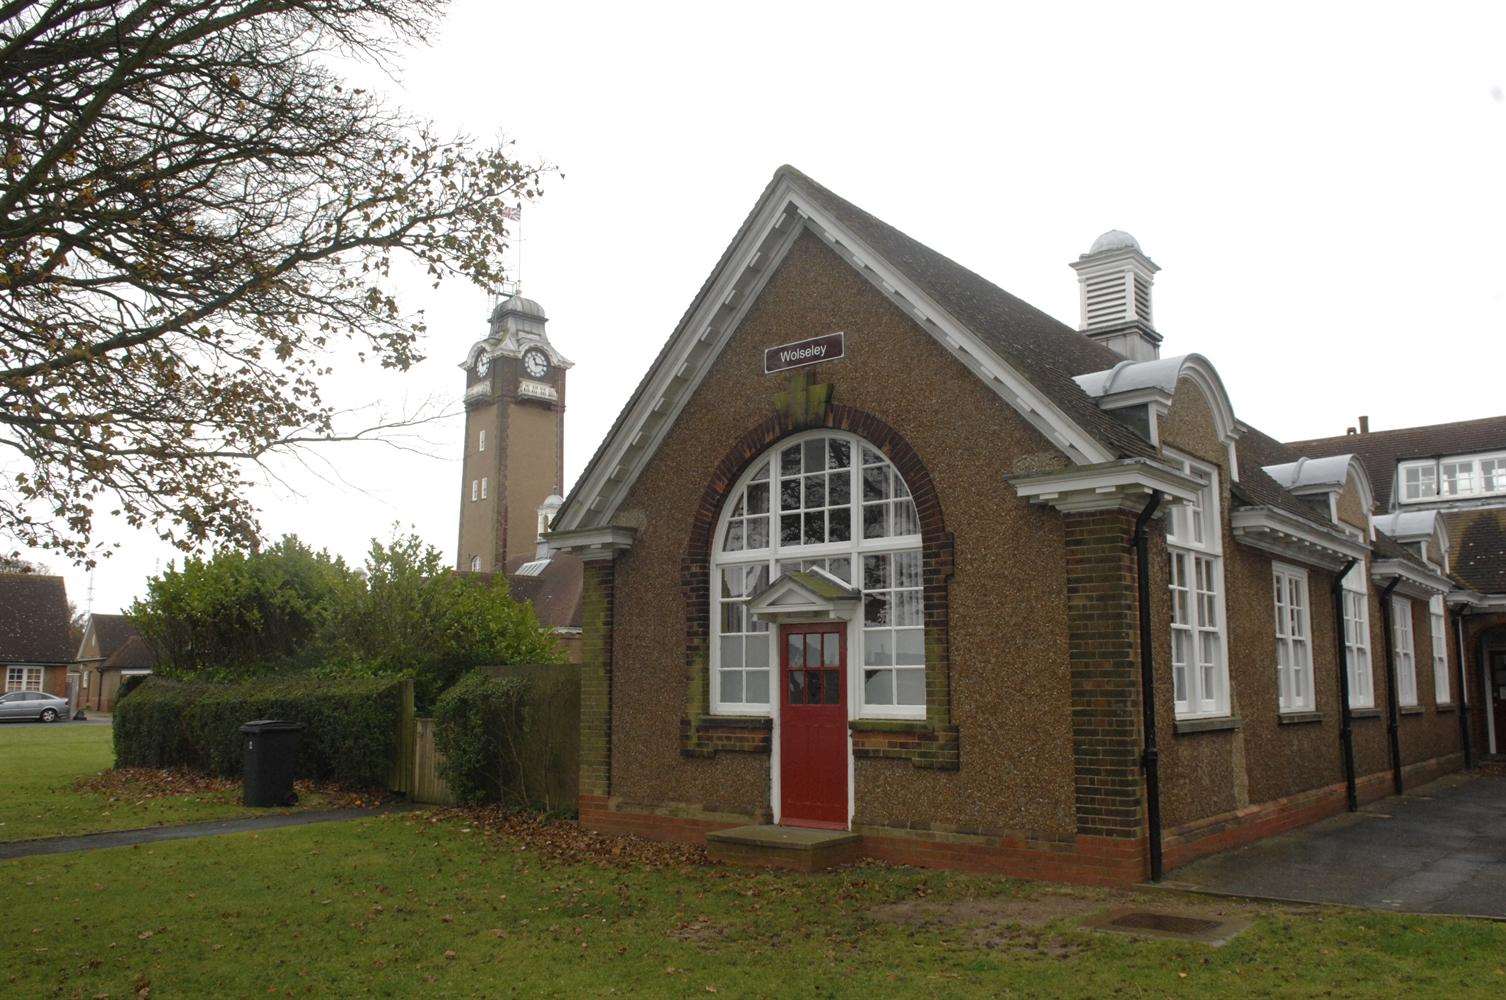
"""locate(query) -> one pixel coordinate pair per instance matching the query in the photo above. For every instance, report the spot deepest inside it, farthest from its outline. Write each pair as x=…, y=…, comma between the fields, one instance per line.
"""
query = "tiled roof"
x=133, y=654
x=34, y=619
x=554, y=590
x=1045, y=350
x=1381, y=450
x=111, y=632
x=1477, y=540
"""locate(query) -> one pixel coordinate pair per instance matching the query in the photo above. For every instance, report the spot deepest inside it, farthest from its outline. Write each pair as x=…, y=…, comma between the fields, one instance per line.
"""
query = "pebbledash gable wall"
x=1007, y=692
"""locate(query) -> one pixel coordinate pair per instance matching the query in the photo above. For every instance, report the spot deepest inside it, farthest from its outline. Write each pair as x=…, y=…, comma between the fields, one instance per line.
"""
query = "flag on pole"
x=513, y=212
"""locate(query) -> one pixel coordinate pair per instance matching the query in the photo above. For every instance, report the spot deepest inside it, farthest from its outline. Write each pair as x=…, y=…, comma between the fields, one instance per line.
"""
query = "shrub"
x=473, y=723
x=351, y=736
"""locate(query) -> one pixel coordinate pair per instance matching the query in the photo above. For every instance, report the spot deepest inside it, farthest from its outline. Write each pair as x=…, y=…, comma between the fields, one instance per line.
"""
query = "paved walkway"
x=1440, y=848
x=214, y=828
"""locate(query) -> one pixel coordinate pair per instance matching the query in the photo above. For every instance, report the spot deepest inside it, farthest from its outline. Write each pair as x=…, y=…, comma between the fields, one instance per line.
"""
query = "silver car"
x=33, y=705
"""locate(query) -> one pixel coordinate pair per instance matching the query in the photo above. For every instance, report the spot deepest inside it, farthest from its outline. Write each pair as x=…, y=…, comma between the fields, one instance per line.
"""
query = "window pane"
x=910, y=647
x=878, y=647
x=758, y=498
x=830, y=649
x=734, y=542
x=797, y=687
x=815, y=528
x=757, y=684
x=795, y=649
x=831, y=690
x=910, y=687
x=876, y=609
x=876, y=483
x=732, y=685
x=815, y=491
x=789, y=529
x=839, y=488
x=840, y=525
x=789, y=494
x=756, y=654
x=813, y=649
x=878, y=687
x=907, y=607
x=758, y=532
x=732, y=652
x=907, y=569
x=906, y=521
x=875, y=520
x=789, y=461
x=839, y=454
x=815, y=455
x=875, y=572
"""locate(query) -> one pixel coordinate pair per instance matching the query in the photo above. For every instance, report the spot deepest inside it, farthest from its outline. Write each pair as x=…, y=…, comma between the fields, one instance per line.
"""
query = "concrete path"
x=1440, y=848
x=214, y=828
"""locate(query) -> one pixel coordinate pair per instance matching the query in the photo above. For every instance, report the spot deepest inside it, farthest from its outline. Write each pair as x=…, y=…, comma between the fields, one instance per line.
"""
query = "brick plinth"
x=1105, y=680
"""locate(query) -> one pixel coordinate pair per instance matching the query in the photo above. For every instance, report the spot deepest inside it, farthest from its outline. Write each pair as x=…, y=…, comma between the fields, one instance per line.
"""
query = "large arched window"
x=822, y=499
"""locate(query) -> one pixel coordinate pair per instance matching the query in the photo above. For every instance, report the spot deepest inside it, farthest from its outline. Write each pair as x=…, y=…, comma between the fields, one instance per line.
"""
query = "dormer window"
x=1458, y=476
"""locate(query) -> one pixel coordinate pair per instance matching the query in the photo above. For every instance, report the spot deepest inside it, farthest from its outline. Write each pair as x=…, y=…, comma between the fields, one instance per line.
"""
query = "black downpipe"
x=1393, y=721
x=1346, y=722
x=1151, y=759
x=1462, y=701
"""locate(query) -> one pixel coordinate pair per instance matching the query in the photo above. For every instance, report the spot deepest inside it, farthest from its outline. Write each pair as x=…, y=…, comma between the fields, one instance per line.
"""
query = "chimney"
x=1364, y=425
x=1114, y=278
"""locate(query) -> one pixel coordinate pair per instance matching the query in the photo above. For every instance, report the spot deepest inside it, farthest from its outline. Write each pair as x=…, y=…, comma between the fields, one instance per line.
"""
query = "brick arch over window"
x=930, y=743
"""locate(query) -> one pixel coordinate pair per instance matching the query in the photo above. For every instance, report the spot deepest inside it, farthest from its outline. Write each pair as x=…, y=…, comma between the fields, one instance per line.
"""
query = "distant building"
x=513, y=470
x=35, y=650
x=110, y=651
x=1441, y=490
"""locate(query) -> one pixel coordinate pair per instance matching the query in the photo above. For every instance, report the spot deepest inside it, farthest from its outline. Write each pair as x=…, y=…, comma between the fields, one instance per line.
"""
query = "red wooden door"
x=813, y=726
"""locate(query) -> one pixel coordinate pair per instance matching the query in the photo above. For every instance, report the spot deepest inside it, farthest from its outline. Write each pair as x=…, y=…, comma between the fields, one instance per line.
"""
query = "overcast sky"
x=1321, y=185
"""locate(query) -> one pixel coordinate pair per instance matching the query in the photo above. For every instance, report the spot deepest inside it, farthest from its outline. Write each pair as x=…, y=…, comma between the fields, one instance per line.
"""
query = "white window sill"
x=1207, y=724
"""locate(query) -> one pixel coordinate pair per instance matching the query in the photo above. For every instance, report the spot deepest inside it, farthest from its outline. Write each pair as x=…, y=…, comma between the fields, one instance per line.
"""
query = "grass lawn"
x=38, y=797
x=407, y=905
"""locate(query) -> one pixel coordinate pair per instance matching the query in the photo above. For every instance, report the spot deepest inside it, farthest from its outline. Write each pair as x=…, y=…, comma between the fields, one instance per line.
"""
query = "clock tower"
x=514, y=437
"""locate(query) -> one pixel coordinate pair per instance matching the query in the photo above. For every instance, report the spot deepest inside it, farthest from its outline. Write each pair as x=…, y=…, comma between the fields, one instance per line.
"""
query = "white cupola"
x=1114, y=278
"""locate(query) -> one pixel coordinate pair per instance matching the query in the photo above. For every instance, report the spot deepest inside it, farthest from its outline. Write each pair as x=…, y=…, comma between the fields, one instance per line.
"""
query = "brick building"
x=35, y=648
x=879, y=549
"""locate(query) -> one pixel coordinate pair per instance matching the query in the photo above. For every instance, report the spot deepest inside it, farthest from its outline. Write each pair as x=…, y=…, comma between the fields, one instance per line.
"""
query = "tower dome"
x=1114, y=239
x=517, y=305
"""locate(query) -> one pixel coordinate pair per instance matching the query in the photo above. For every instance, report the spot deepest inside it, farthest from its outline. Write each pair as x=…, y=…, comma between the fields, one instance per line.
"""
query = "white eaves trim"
x=784, y=213
x=592, y=543
x=1122, y=483
x=1415, y=580
x=1475, y=599
x=1292, y=537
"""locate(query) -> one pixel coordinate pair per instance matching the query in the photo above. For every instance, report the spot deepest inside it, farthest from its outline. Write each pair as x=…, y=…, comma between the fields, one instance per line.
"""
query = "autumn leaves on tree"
x=193, y=209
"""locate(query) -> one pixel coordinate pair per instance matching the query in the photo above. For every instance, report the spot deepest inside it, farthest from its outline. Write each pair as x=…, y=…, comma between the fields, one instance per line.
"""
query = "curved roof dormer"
x=1329, y=475
x=1152, y=384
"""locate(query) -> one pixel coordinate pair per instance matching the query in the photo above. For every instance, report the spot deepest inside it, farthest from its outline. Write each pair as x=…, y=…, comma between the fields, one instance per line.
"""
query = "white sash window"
x=1405, y=659
x=1357, y=638
x=1440, y=649
x=1294, y=658
x=1194, y=538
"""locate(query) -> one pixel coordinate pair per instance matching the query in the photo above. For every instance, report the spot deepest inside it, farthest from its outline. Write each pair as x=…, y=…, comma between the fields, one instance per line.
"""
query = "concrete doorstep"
x=793, y=847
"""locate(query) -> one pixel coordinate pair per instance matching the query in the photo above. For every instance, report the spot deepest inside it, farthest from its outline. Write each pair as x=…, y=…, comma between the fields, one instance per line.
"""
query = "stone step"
x=795, y=847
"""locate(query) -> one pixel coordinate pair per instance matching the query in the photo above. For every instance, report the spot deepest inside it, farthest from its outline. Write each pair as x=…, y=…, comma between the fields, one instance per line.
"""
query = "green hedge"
x=512, y=734
x=351, y=736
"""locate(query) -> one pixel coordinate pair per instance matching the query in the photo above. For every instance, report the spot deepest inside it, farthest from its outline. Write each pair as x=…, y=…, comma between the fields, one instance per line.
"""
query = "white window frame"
x=1294, y=647
x=483, y=487
x=1358, y=662
x=481, y=440
x=1467, y=474
x=773, y=552
x=23, y=679
x=475, y=489
x=475, y=564
x=1438, y=626
x=1194, y=539
x=1404, y=653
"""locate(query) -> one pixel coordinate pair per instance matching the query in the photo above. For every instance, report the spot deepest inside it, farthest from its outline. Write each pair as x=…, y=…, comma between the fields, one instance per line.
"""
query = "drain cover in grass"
x=1156, y=923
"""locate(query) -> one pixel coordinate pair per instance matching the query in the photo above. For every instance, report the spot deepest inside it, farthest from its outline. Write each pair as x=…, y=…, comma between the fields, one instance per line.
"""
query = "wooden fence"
x=428, y=786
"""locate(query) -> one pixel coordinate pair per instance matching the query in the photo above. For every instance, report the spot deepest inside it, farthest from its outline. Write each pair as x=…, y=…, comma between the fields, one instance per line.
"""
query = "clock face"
x=483, y=365
x=536, y=364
